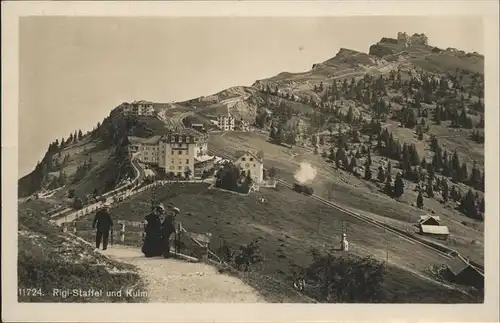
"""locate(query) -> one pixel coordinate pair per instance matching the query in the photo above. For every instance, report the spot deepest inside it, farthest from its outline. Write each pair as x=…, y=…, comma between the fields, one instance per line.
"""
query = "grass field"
x=287, y=228
x=356, y=194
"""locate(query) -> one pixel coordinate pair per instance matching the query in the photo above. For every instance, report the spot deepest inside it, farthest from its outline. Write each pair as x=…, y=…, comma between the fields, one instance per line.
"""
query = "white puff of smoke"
x=305, y=173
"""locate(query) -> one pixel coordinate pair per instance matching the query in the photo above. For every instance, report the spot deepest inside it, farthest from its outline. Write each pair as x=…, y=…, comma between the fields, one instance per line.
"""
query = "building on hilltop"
x=225, y=122
x=244, y=125
x=251, y=162
x=418, y=39
x=415, y=39
x=403, y=39
x=139, y=108
x=209, y=99
x=174, y=152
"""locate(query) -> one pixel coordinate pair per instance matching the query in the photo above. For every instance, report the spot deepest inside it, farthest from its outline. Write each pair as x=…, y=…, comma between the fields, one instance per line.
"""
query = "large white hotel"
x=175, y=152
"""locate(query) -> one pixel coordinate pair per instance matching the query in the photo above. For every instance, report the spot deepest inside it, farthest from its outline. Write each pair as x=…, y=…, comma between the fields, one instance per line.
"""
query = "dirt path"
x=171, y=280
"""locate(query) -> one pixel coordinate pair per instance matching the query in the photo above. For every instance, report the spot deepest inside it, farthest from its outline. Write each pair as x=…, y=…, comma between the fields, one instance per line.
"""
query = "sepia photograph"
x=315, y=159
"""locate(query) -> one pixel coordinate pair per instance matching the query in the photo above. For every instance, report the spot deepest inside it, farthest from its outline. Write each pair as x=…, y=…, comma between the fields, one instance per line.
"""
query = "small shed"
x=437, y=231
x=463, y=272
x=429, y=220
x=198, y=126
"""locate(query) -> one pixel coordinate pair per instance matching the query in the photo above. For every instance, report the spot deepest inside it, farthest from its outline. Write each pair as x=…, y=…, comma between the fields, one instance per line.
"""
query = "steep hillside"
x=90, y=162
x=51, y=259
x=400, y=127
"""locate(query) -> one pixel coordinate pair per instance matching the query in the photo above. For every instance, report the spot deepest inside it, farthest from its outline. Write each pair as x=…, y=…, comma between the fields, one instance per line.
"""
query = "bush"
x=77, y=203
x=241, y=257
x=231, y=178
x=347, y=279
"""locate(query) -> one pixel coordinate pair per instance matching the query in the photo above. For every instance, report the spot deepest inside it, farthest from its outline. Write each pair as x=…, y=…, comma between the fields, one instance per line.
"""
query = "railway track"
x=442, y=251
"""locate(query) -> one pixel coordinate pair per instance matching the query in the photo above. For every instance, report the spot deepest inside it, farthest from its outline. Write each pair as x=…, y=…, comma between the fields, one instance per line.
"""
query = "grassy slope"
x=50, y=259
x=357, y=194
x=467, y=233
x=286, y=232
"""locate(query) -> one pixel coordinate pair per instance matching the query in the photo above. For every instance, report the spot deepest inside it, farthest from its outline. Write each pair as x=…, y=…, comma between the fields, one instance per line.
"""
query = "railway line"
x=442, y=251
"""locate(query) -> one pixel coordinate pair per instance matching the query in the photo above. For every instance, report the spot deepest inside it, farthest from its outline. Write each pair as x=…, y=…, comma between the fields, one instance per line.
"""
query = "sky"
x=74, y=70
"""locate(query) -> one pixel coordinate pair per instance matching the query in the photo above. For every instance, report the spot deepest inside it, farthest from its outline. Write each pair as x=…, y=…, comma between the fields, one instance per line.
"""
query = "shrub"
x=347, y=279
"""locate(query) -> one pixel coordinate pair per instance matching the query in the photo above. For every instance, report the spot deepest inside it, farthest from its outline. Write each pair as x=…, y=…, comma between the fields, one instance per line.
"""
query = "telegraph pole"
x=386, y=248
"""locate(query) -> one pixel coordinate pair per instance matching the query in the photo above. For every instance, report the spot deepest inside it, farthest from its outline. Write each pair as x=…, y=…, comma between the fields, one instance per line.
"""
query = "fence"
x=135, y=237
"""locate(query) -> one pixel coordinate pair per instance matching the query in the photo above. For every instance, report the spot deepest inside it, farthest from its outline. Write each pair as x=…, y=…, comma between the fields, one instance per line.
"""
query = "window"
x=253, y=165
x=173, y=161
x=251, y=159
x=172, y=152
x=243, y=159
x=179, y=167
x=180, y=152
x=179, y=174
x=187, y=161
x=172, y=167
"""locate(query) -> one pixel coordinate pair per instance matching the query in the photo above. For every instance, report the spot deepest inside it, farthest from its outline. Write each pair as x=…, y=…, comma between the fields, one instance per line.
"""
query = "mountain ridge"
x=382, y=58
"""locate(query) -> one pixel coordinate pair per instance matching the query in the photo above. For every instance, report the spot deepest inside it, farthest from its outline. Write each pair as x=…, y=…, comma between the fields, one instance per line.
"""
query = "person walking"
x=103, y=223
x=152, y=245
x=168, y=228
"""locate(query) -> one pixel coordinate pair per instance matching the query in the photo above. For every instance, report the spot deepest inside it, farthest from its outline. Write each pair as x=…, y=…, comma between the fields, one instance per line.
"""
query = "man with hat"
x=168, y=228
x=104, y=224
x=152, y=246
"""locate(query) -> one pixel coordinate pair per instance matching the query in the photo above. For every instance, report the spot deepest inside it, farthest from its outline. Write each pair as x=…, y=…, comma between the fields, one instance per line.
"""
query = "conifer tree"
x=445, y=191
x=388, y=186
x=368, y=172
x=398, y=186
x=353, y=164
x=381, y=175
x=420, y=200
x=430, y=189
x=468, y=205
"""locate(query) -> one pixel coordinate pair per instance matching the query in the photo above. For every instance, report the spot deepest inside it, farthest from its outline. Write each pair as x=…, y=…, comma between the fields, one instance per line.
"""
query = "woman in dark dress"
x=152, y=246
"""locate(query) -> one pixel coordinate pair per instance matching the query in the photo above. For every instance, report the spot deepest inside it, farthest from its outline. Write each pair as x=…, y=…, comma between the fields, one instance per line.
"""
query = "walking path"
x=172, y=280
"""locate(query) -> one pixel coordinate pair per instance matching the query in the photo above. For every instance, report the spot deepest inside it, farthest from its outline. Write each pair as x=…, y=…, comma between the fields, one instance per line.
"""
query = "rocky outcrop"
x=389, y=40
x=380, y=50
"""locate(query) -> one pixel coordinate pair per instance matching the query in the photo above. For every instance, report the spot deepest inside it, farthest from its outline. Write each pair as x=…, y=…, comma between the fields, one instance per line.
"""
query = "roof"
x=185, y=131
x=140, y=140
x=259, y=156
x=429, y=218
x=204, y=158
x=435, y=229
x=425, y=217
x=459, y=264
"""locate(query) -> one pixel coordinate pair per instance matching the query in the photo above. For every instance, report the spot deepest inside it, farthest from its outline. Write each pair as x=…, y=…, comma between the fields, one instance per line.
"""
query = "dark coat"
x=153, y=224
x=102, y=221
x=168, y=226
x=152, y=245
